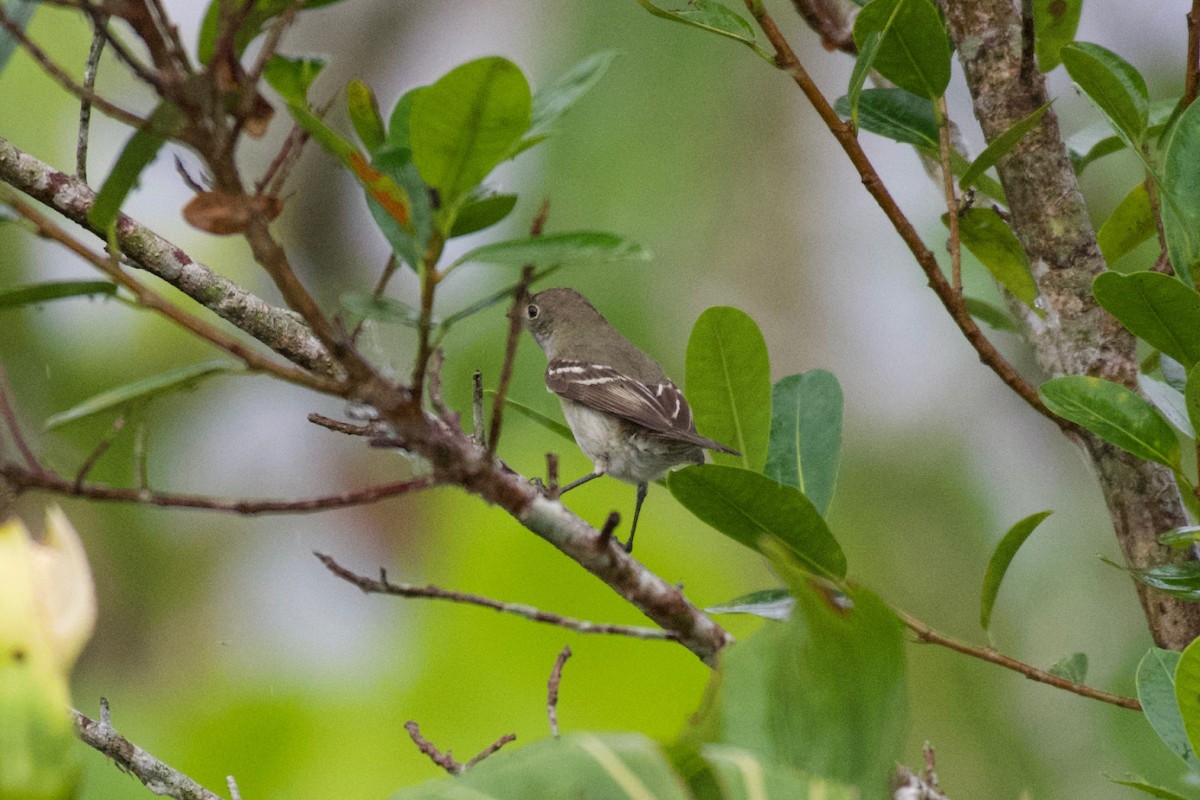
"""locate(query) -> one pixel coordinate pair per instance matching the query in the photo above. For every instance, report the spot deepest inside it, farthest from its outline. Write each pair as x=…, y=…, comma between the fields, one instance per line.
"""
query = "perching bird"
x=627, y=416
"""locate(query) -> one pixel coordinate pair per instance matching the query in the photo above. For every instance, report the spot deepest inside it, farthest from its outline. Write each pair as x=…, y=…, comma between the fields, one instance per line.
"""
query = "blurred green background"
x=224, y=646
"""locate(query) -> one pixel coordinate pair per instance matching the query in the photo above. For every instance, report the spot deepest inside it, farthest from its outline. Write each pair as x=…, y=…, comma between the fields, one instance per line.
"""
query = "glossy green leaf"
x=862, y=68
x=711, y=16
x=1115, y=414
x=363, y=109
x=1180, y=186
x=291, y=76
x=1156, y=693
x=557, y=248
x=914, y=53
x=1156, y=308
x=164, y=122
x=806, y=434
x=1191, y=397
x=1180, y=538
x=1187, y=694
x=1112, y=83
x=409, y=242
x=1152, y=790
x=253, y=24
x=1098, y=140
x=1054, y=24
x=482, y=213
x=1174, y=373
x=774, y=604
x=398, y=122
x=145, y=389
x=743, y=775
x=379, y=308
x=823, y=693
x=1001, y=146
x=988, y=237
x=35, y=293
x=894, y=114
x=593, y=765
x=990, y=315
x=1001, y=558
x=467, y=122
x=1177, y=580
x=19, y=12
x=747, y=506
x=1170, y=402
x=1130, y=224
x=552, y=425
x=729, y=385
x=550, y=103
x=1072, y=668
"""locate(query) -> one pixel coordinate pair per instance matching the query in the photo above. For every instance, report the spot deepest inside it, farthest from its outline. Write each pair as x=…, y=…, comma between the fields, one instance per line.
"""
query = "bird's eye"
x=532, y=311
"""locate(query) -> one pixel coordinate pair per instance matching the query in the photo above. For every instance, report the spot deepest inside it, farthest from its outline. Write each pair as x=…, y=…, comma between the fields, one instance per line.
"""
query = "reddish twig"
x=443, y=760
x=490, y=749
x=14, y=426
x=510, y=357
x=552, y=474
x=480, y=435
x=610, y=525
x=552, y=690
x=337, y=426
x=382, y=585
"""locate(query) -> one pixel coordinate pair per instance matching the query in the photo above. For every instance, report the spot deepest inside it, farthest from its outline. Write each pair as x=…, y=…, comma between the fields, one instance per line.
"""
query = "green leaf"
x=774, y=604
x=398, y=122
x=1187, y=694
x=291, y=76
x=1177, y=580
x=862, y=68
x=1001, y=558
x=729, y=384
x=742, y=775
x=707, y=15
x=35, y=293
x=1170, y=401
x=1115, y=414
x=1191, y=397
x=1072, y=668
x=552, y=425
x=1001, y=146
x=988, y=237
x=1150, y=789
x=164, y=122
x=823, y=693
x=363, y=109
x=1054, y=24
x=599, y=765
x=467, y=122
x=1156, y=308
x=1174, y=373
x=914, y=52
x=1156, y=693
x=253, y=24
x=145, y=389
x=379, y=308
x=482, y=213
x=1180, y=186
x=989, y=314
x=1130, y=224
x=747, y=506
x=19, y=13
x=556, y=248
x=1116, y=88
x=550, y=103
x=806, y=434
x=408, y=242
x=1098, y=140
x=894, y=114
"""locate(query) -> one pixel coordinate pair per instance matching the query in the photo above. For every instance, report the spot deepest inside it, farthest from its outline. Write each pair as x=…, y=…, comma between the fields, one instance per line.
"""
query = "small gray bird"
x=627, y=416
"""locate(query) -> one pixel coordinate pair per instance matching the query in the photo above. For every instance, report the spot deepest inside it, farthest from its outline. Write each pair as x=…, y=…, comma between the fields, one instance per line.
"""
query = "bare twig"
x=510, y=357
x=234, y=792
x=141, y=457
x=443, y=760
x=437, y=361
x=490, y=749
x=480, y=435
x=99, y=36
x=952, y=209
x=552, y=690
x=930, y=764
x=389, y=269
x=552, y=474
x=927, y=634
x=382, y=585
x=159, y=777
x=14, y=426
x=610, y=525
x=44, y=481
x=100, y=449
x=272, y=181
x=348, y=428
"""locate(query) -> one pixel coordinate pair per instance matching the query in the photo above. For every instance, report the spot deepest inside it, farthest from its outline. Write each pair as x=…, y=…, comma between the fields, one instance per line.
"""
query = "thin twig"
x=389, y=269
x=276, y=175
x=490, y=749
x=22, y=479
x=337, y=426
x=234, y=792
x=952, y=210
x=480, y=435
x=90, y=68
x=1156, y=213
x=610, y=525
x=510, y=357
x=929, y=635
x=100, y=449
x=437, y=361
x=552, y=474
x=443, y=760
x=930, y=757
x=159, y=777
x=14, y=425
x=1191, y=83
x=844, y=134
x=552, y=690
x=382, y=585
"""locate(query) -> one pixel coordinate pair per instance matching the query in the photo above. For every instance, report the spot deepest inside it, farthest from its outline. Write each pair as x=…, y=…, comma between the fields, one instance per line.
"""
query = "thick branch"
x=1077, y=336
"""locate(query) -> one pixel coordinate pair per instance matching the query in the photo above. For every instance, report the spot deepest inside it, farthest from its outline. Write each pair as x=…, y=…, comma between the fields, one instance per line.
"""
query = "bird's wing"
x=660, y=407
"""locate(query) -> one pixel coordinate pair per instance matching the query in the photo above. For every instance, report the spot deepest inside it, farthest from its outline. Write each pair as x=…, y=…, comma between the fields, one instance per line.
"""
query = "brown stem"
x=952, y=209
x=552, y=690
x=510, y=357
x=14, y=425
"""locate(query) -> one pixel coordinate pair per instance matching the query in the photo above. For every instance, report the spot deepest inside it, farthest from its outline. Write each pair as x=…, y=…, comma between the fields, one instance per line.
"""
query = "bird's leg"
x=579, y=482
x=641, y=496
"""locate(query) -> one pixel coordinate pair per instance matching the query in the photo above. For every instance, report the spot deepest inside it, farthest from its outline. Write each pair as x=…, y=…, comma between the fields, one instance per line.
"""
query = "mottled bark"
x=1076, y=336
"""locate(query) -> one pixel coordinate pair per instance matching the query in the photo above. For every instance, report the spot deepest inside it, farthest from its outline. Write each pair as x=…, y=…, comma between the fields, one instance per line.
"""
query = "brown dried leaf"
x=224, y=213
